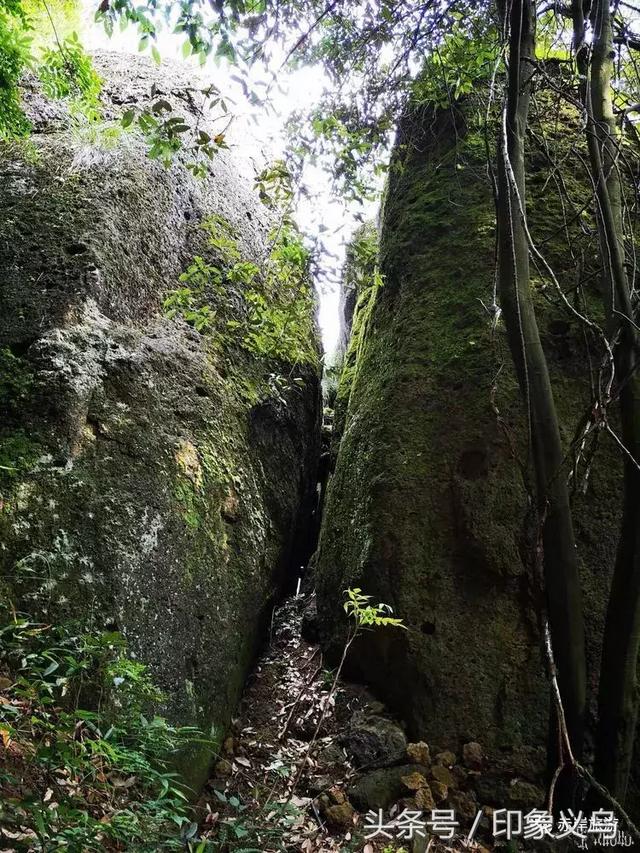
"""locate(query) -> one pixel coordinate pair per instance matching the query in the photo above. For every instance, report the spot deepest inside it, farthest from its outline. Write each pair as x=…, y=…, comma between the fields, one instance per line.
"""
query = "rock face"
x=152, y=480
x=426, y=509
x=374, y=741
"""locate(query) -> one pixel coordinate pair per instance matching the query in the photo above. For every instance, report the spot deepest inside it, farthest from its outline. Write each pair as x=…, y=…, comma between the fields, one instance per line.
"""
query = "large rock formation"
x=426, y=509
x=153, y=481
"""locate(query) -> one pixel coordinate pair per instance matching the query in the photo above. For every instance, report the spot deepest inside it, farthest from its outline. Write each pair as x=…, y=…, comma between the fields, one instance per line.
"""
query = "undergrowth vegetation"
x=84, y=765
x=65, y=70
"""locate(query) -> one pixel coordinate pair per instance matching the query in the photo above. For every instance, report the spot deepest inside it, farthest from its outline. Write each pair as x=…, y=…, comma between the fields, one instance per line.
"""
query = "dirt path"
x=248, y=804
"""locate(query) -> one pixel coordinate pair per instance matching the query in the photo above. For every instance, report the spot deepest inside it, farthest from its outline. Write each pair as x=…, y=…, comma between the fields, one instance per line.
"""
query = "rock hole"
x=187, y=215
x=201, y=391
x=473, y=464
x=19, y=348
x=428, y=628
x=75, y=248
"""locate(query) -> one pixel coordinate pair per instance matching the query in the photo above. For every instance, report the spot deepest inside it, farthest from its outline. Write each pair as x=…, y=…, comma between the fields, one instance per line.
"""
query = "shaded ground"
x=249, y=803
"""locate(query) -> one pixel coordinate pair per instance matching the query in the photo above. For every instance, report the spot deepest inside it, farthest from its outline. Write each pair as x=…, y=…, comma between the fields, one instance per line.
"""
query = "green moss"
x=18, y=453
x=16, y=380
x=427, y=509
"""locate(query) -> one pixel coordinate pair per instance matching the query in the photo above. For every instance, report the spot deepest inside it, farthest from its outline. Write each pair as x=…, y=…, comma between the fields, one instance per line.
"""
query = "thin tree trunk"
x=562, y=583
x=617, y=699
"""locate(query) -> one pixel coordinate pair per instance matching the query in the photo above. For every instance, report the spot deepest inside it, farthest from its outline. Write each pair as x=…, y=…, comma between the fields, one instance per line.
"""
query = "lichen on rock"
x=154, y=473
x=427, y=509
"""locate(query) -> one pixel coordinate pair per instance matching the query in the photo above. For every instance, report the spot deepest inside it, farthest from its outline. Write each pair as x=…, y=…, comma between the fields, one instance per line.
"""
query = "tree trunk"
x=562, y=584
x=617, y=702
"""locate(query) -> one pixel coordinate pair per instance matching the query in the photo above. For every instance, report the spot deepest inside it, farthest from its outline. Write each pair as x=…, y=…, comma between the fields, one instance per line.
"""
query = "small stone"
x=439, y=790
x=414, y=781
x=444, y=775
x=227, y=746
x=459, y=774
x=472, y=755
x=424, y=799
x=223, y=768
x=524, y=795
x=340, y=816
x=337, y=796
x=418, y=753
x=446, y=758
x=463, y=804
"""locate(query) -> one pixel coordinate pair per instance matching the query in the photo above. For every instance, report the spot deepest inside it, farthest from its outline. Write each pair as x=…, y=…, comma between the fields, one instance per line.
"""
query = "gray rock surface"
x=381, y=788
x=146, y=465
x=374, y=741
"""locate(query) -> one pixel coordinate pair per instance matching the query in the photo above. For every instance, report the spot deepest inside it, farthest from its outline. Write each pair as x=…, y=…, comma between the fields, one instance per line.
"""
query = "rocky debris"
x=333, y=798
x=336, y=809
x=414, y=781
x=331, y=755
x=442, y=774
x=339, y=816
x=446, y=758
x=419, y=753
x=310, y=623
x=424, y=799
x=379, y=789
x=472, y=755
x=374, y=741
x=464, y=804
x=439, y=790
x=524, y=795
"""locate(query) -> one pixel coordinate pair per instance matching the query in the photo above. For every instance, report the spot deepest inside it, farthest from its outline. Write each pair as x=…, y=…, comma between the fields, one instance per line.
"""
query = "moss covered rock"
x=154, y=479
x=427, y=510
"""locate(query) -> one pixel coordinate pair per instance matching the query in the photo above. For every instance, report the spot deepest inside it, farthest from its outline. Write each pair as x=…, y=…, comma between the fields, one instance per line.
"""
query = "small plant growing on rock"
x=366, y=615
x=363, y=615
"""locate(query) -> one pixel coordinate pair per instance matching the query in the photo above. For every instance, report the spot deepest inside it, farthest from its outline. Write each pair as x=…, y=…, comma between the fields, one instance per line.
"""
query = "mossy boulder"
x=426, y=509
x=153, y=481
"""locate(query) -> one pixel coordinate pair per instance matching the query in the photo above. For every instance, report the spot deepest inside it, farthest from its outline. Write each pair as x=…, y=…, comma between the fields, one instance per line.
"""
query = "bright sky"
x=258, y=142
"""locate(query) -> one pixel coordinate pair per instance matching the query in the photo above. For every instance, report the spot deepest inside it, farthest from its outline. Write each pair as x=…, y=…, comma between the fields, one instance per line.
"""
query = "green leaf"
x=128, y=117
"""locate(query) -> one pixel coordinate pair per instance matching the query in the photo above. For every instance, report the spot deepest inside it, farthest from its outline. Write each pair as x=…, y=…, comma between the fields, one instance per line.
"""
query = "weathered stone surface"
x=442, y=774
x=439, y=790
x=426, y=507
x=524, y=795
x=339, y=816
x=374, y=741
x=446, y=758
x=472, y=755
x=419, y=753
x=414, y=781
x=463, y=804
x=380, y=788
x=424, y=800
x=147, y=464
